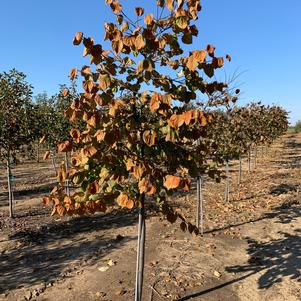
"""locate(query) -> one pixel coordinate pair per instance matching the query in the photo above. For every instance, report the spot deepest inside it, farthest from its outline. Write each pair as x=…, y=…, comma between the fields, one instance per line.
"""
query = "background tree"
x=298, y=126
x=55, y=127
x=15, y=118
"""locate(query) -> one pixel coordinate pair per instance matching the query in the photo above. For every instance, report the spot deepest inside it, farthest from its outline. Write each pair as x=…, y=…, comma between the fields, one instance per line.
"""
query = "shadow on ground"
x=285, y=213
x=279, y=258
x=52, y=250
x=26, y=193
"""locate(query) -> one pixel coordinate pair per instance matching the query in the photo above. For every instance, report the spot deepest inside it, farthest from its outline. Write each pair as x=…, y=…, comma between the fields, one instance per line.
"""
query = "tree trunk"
x=239, y=171
x=140, y=252
x=227, y=192
x=255, y=157
x=53, y=162
x=200, y=207
x=249, y=160
x=38, y=153
x=9, y=188
x=67, y=170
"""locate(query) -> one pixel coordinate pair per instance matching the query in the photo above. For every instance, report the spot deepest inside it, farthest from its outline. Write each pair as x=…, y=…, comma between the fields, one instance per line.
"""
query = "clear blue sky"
x=262, y=36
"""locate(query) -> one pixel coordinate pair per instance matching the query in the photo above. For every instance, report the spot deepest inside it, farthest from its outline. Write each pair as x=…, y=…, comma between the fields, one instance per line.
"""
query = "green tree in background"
x=15, y=118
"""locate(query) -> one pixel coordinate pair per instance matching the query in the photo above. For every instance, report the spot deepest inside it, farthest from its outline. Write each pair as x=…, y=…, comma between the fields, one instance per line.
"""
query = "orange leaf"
x=202, y=119
x=199, y=55
x=100, y=135
x=191, y=63
x=169, y=4
x=188, y=115
x=149, y=137
x=116, y=7
x=46, y=200
x=89, y=151
x=129, y=204
x=86, y=71
x=138, y=171
x=155, y=101
x=65, y=146
x=94, y=187
x=218, y=62
x=139, y=42
x=139, y=11
x=88, y=85
x=148, y=19
x=104, y=81
x=65, y=92
x=60, y=210
x=185, y=185
x=67, y=200
x=122, y=199
x=73, y=73
x=172, y=182
x=75, y=134
x=46, y=155
x=117, y=46
x=210, y=49
x=78, y=38
x=146, y=187
x=175, y=121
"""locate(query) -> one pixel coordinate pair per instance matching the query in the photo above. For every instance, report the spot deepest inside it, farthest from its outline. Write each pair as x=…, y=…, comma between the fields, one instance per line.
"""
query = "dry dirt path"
x=251, y=249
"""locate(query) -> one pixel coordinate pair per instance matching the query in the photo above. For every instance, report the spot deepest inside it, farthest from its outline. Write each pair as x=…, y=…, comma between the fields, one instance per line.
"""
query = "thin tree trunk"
x=227, y=192
x=255, y=157
x=140, y=252
x=200, y=206
x=10, y=192
x=53, y=162
x=38, y=153
x=239, y=171
x=67, y=170
x=249, y=160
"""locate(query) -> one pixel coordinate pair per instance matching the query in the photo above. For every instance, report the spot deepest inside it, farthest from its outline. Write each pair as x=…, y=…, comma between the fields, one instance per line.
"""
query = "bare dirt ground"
x=251, y=248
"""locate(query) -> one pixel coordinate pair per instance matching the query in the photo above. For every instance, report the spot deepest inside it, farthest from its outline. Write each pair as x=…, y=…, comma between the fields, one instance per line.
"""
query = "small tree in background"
x=298, y=126
x=55, y=127
x=15, y=119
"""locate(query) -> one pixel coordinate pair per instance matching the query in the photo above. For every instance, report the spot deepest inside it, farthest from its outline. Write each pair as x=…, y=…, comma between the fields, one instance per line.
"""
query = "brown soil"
x=251, y=248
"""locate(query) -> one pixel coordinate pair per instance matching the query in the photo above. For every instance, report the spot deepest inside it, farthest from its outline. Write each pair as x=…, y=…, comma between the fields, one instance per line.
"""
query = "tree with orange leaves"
x=139, y=140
